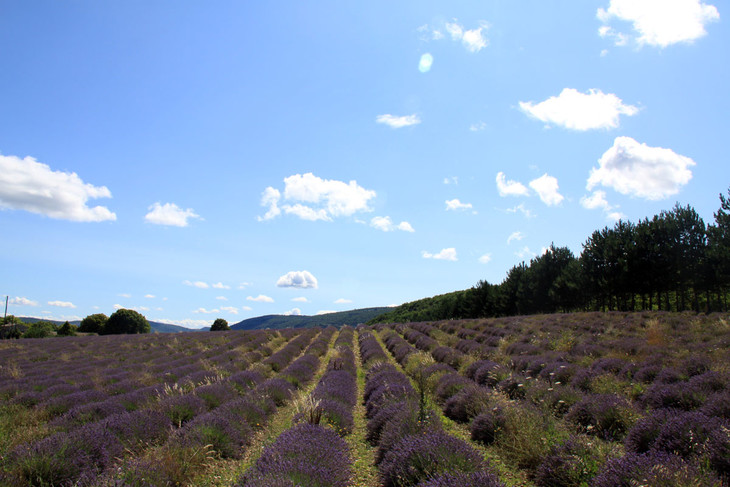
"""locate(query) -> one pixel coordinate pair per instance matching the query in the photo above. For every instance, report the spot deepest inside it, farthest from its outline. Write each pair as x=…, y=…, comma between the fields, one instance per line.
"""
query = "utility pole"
x=6, y=309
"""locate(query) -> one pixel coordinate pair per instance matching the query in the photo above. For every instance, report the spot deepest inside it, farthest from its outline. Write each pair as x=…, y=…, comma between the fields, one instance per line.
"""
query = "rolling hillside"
x=352, y=317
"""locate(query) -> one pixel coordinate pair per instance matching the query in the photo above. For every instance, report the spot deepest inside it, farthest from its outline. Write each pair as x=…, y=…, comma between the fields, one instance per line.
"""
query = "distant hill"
x=338, y=319
x=156, y=327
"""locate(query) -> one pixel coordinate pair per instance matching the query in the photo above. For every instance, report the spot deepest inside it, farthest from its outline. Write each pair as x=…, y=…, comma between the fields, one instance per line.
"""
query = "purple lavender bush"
x=307, y=455
x=654, y=468
x=483, y=478
x=420, y=457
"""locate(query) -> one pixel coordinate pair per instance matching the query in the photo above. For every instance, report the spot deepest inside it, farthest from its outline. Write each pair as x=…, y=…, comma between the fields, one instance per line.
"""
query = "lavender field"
x=586, y=399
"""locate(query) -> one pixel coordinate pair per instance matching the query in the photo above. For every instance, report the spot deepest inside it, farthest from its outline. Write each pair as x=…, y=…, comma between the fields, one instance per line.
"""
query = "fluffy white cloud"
x=293, y=312
x=220, y=285
x=595, y=201
x=232, y=310
x=124, y=295
x=62, y=304
x=343, y=301
x=312, y=198
x=385, y=224
x=522, y=209
x=455, y=205
x=636, y=169
x=472, y=39
x=300, y=299
x=169, y=214
x=260, y=299
x=445, y=254
x=425, y=63
x=149, y=296
x=206, y=311
x=221, y=298
x=298, y=279
x=477, y=127
x=514, y=236
x=580, y=111
x=20, y=301
x=397, y=122
x=659, y=22
x=244, y=285
x=451, y=180
x=26, y=184
x=198, y=284
x=547, y=189
x=485, y=259
x=270, y=198
x=525, y=252
x=510, y=188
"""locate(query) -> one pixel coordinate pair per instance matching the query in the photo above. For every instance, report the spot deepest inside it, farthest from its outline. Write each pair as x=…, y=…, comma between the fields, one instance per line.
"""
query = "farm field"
x=584, y=399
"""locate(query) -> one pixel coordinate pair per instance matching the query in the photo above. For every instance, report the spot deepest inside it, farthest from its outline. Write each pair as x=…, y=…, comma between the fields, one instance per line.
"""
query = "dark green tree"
x=220, y=325
x=67, y=329
x=93, y=323
x=40, y=329
x=126, y=321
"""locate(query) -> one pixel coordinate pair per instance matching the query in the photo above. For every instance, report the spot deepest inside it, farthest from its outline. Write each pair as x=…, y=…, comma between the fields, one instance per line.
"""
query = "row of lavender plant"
x=671, y=429
x=225, y=430
x=412, y=448
x=71, y=456
x=312, y=451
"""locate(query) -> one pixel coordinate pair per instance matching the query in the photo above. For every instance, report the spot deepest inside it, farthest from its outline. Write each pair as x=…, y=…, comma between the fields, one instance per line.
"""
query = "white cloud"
x=451, y=180
x=485, y=259
x=445, y=254
x=636, y=169
x=325, y=312
x=232, y=310
x=522, y=209
x=515, y=236
x=61, y=304
x=244, y=285
x=20, y=301
x=124, y=295
x=580, y=111
x=26, y=184
x=595, y=201
x=300, y=299
x=473, y=39
x=293, y=312
x=343, y=301
x=206, y=311
x=198, y=284
x=312, y=198
x=260, y=299
x=525, y=252
x=385, y=224
x=425, y=63
x=615, y=216
x=396, y=122
x=149, y=296
x=193, y=324
x=659, y=22
x=547, y=188
x=221, y=298
x=510, y=188
x=270, y=198
x=477, y=127
x=247, y=308
x=298, y=279
x=118, y=306
x=169, y=214
x=455, y=205
x=220, y=285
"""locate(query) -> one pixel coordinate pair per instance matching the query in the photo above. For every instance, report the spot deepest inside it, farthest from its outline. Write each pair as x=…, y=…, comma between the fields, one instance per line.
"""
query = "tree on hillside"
x=67, y=329
x=93, y=323
x=125, y=321
x=220, y=325
x=719, y=248
x=40, y=329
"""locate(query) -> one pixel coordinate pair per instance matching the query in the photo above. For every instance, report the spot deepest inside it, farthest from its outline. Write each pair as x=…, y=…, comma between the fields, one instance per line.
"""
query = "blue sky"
x=194, y=160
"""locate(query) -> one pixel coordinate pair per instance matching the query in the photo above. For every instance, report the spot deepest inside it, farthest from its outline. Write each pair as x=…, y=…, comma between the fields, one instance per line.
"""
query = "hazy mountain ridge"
x=337, y=319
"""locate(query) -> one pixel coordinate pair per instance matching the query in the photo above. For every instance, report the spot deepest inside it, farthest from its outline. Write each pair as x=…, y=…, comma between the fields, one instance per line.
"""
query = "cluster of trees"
x=672, y=262
x=122, y=321
x=220, y=325
x=14, y=327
